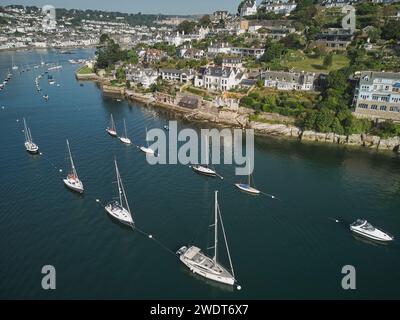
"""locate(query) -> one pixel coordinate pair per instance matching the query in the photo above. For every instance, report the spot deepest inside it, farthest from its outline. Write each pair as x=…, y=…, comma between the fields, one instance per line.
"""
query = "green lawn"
x=85, y=70
x=300, y=62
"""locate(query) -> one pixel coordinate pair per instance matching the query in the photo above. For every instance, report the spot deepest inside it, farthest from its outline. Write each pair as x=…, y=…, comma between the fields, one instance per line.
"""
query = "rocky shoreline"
x=241, y=119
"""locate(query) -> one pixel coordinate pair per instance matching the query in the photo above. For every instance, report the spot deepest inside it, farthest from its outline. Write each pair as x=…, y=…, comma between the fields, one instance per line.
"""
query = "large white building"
x=181, y=76
x=282, y=80
x=378, y=95
x=219, y=78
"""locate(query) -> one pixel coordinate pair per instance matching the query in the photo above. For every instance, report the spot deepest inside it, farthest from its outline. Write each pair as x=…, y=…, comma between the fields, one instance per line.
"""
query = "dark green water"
x=280, y=249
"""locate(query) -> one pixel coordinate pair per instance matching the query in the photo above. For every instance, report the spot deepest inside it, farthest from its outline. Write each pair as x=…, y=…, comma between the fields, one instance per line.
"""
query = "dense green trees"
x=273, y=50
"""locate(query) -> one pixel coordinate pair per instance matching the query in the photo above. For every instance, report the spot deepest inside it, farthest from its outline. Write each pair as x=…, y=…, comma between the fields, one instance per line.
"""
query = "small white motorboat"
x=367, y=230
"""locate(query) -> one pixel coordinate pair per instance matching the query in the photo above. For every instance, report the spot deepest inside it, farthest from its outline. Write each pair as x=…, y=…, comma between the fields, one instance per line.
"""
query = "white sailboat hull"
x=119, y=213
x=204, y=171
x=125, y=140
x=204, y=266
x=246, y=188
x=74, y=185
x=111, y=132
x=147, y=150
x=31, y=147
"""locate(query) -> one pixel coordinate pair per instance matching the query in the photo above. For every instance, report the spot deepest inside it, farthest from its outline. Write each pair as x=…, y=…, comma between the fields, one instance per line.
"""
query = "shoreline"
x=240, y=120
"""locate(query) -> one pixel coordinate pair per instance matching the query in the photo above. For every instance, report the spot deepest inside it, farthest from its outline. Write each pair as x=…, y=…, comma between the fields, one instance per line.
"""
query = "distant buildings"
x=232, y=62
x=282, y=80
x=377, y=95
x=278, y=6
x=219, y=78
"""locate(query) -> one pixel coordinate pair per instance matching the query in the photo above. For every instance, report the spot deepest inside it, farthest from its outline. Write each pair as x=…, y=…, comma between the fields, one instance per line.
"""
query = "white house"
x=143, y=76
x=249, y=8
x=278, y=6
x=283, y=80
x=217, y=48
x=218, y=78
x=181, y=76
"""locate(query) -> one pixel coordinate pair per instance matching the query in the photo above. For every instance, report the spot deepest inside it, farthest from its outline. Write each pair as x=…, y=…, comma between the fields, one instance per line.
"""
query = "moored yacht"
x=147, y=149
x=111, y=130
x=120, y=209
x=72, y=181
x=367, y=230
x=30, y=146
x=125, y=139
x=205, y=169
x=205, y=266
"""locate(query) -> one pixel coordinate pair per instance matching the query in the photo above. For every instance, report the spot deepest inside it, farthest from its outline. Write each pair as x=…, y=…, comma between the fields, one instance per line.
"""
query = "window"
x=394, y=109
x=374, y=107
x=382, y=108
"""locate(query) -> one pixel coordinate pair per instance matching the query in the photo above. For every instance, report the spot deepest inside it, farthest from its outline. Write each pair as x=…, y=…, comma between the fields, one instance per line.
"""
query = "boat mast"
x=126, y=134
x=118, y=182
x=226, y=243
x=72, y=161
x=249, y=177
x=207, y=149
x=112, y=123
x=216, y=227
x=146, y=139
x=26, y=132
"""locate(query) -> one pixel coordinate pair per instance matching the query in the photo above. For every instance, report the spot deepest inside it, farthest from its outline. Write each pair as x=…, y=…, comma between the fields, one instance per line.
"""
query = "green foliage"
x=187, y=26
x=205, y=21
x=109, y=54
x=328, y=60
x=293, y=41
x=273, y=50
x=391, y=30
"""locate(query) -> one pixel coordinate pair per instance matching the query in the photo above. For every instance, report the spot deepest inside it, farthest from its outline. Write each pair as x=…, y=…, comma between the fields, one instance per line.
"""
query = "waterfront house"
x=219, y=78
x=377, y=95
x=141, y=76
x=283, y=80
x=181, y=76
x=153, y=55
x=278, y=6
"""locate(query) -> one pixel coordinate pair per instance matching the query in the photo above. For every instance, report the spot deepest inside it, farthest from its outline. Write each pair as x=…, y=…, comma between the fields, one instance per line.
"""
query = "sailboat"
x=30, y=146
x=205, y=169
x=125, y=139
x=147, y=149
x=72, y=181
x=205, y=266
x=112, y=131
x=246, y=187
x=120, y=209
x=14, y=67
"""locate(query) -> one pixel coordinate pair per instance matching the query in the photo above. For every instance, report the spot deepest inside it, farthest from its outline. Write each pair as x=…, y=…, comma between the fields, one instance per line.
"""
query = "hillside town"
x=277, y=61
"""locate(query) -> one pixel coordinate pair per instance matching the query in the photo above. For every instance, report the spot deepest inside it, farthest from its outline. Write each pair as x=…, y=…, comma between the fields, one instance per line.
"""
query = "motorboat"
x=365, y=229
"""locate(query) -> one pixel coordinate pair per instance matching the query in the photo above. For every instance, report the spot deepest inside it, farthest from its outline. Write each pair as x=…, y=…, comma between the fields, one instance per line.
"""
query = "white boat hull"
x=31, y=148
x=125, y=140
x=364, y=234
x=204, y=171
x=111, y=132
x=246, y=188
x=120, y=214
x=74, y=186
x=147, y=150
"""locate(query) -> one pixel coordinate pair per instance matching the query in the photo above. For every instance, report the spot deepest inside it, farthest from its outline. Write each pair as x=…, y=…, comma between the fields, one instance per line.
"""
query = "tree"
x=205, y=21
x=104, y=38
x=187, y=26
x=218, y=59
x=324, y=120
x=391, y=30
x=309, y=120
x=293, y=41
x=328, y=60
x=273, y=50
